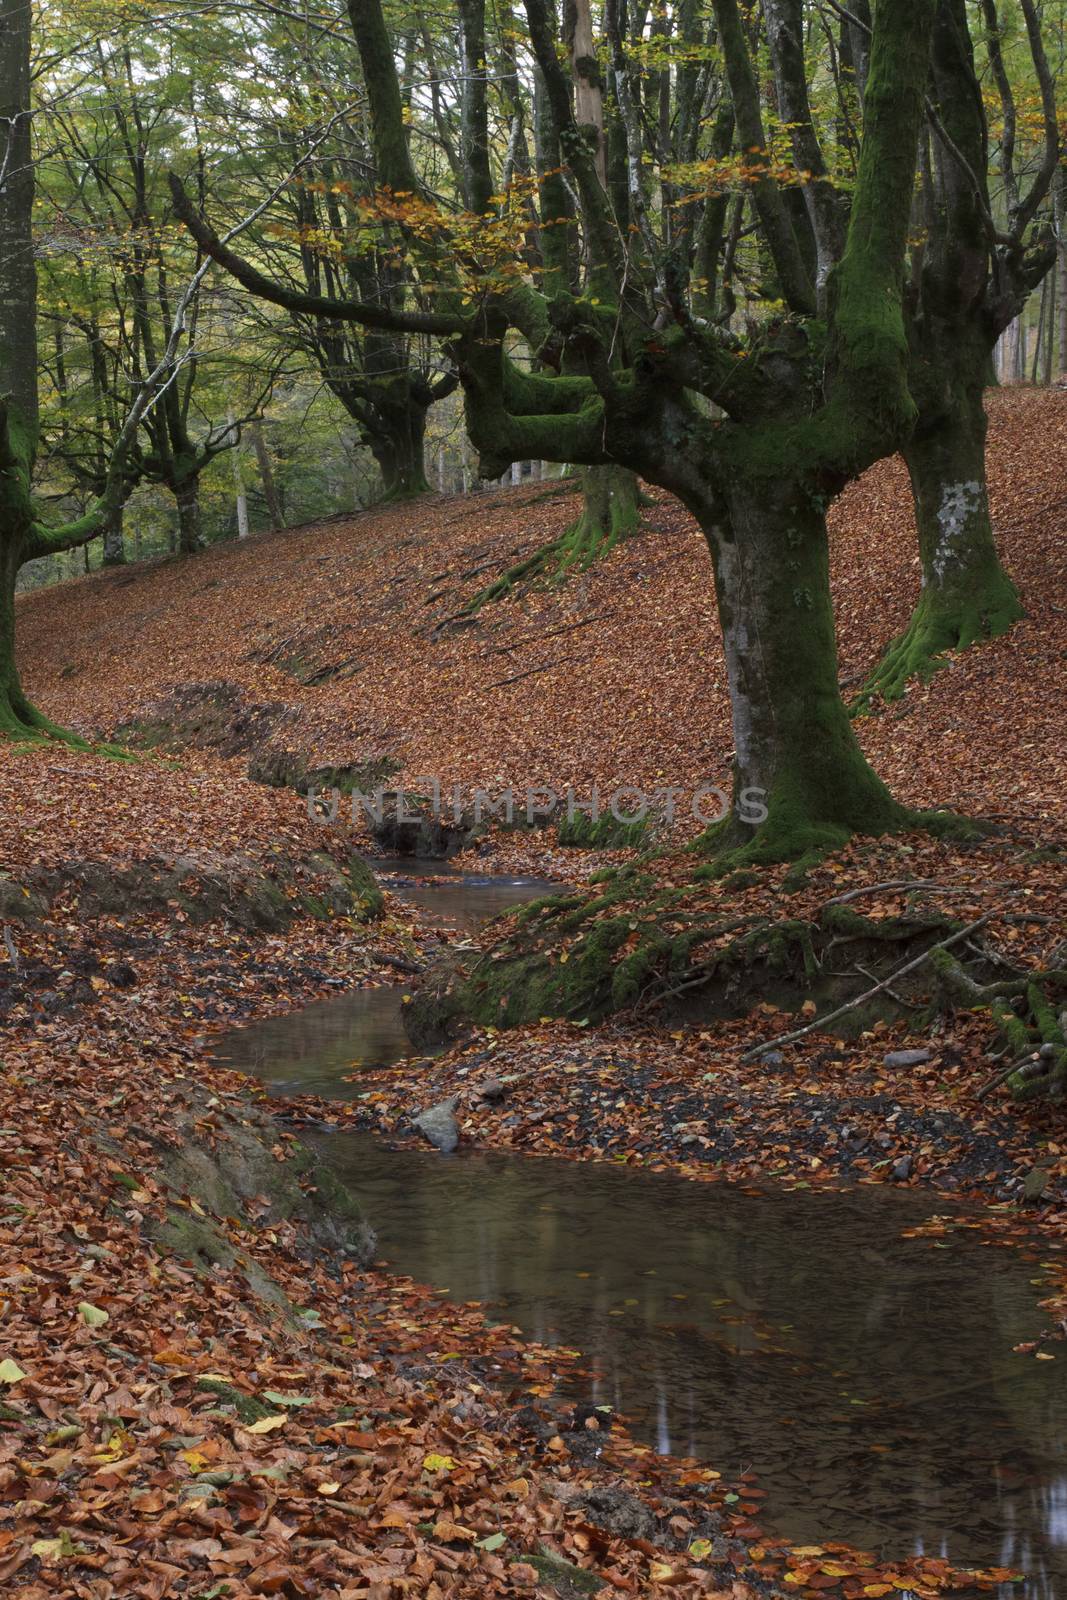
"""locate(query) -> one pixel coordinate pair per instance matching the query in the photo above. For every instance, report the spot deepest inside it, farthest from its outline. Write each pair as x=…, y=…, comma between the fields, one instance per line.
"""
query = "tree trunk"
x=266, y=473
x=114, y=543
x=611, y=509
x=239, y=495
x=801, y=781
x=966, y=594
x=15, y=714
x=398, y=447
x=18, y=343
x=190, y=532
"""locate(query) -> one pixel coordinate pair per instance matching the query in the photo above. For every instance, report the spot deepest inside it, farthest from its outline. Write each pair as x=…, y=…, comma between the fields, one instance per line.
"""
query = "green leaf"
x=11, y=1372
x=92, y=1316
x=492, y=1542
x=277, y=1399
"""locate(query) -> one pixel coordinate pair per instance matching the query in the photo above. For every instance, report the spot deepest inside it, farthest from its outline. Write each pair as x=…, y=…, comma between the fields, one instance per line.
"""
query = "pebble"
x=906, y=1058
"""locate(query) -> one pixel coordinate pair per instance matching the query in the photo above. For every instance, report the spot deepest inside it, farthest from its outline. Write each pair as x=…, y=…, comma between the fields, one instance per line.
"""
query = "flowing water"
x=868, y=1379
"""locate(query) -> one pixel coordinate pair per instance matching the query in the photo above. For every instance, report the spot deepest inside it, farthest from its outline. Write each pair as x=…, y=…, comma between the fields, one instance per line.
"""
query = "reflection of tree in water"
x=867, y=1379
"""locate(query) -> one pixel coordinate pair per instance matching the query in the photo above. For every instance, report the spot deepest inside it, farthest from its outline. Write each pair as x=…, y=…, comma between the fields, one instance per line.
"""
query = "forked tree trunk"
x=800, y=777
x=966, y=594
x=190, y=531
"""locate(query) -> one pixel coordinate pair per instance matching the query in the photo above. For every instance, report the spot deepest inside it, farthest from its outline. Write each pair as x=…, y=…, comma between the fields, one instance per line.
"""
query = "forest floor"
x=357, y=1461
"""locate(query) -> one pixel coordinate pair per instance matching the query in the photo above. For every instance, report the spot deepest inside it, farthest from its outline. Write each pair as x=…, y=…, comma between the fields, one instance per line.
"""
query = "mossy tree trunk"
x=18, y=345
x=15, y=715
x=801, y=781
x=969, y=282
x=755, y=432
x=966, y=594
x=114, y=542
x=398, y=445
x=611, y=510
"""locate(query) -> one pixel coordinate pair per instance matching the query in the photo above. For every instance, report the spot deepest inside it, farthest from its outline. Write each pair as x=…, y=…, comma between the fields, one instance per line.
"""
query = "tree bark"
x=398, y=445
x=801, y=781
x=14, y=712
x=240, y=497
x=266, y=473
x=190, y=530
x=966, y=594
x=1060, y=210
x=611, y=509
x=18, y=343
x=961, y=300
x=114, y=543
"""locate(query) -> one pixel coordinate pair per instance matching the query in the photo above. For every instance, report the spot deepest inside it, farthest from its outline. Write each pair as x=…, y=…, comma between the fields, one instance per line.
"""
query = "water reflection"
x=466, y=899
x=312, y=1051
x=868, y=1380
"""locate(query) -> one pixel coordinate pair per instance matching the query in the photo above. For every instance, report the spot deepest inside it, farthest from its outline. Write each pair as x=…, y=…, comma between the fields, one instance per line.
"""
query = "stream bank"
x=564, y=1249
x=337, y=1492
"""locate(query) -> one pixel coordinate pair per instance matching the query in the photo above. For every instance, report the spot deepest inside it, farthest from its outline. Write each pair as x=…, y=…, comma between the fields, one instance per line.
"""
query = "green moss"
x=369, y=901
x=847, y=923
x=567, y=1581
x=939, y=627
x=611, y=512
x=734, y=882
x=1013, y=1029
x=247, y=1407
x=606, y=832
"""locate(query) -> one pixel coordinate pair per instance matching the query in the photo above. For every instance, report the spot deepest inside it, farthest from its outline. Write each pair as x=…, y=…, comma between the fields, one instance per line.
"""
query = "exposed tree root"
x=1024, y=1007
x=22, y=722
x=611, y=511
x=640, y=946
x=934, y=633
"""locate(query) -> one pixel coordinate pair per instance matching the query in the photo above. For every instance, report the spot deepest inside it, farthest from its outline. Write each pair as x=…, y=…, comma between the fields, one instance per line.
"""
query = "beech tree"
x=23, y=536
x=384, y=379
x=754, y=432
x=105, y=182
x=971, y=275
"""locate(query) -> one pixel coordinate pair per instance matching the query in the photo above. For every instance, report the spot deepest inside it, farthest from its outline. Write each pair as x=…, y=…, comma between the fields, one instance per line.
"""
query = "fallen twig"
x=821, y=1023
x=904, y=883
x=399, y=962
x=531, y=672
x=1002, y=1077
x=571, y=627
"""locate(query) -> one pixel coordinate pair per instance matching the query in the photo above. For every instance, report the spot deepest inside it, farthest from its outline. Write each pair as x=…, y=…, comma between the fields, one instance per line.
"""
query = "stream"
x=868, y=1380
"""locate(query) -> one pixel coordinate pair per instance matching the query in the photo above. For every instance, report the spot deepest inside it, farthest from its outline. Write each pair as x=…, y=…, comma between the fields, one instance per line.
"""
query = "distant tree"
x=22, y=535
x=120, y=260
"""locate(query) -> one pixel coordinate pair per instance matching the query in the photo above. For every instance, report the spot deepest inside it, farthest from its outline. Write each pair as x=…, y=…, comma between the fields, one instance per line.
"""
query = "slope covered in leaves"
x=617, y=677
x=165, y=1430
